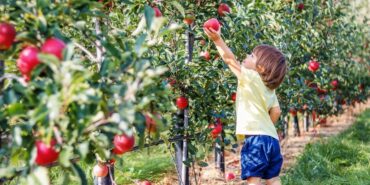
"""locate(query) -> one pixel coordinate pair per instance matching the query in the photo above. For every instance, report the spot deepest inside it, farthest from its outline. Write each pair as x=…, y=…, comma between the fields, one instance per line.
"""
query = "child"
x=257, y=108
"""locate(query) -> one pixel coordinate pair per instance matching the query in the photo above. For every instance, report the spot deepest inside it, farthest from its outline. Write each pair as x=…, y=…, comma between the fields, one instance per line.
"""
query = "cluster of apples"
x=28, y=57
x=47, y=153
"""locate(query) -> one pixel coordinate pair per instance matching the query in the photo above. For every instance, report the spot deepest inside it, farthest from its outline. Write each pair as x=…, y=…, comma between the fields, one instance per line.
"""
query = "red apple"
x=205, y=55
x=233, y=96
x=321, y=91
x=292, y=111
x=313, y=85
x=188, y=20
x=212, y=23
x=334, y=83
x=230, y=176
x=216, y=130
x=171, y=81
x=157, y=12
x=112, y=161
x=7, y=35
x=300, y=6
x=313, y=65
x=100, y=170
x=46, y=153
x=54, y=46
x=182, y=102
x=145, y=183
x=123, y=143
x=27, y=61
x=223, y=9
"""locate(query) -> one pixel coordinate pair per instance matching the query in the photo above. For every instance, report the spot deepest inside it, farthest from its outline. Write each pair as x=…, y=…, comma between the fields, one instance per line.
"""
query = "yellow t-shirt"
x=253, y=103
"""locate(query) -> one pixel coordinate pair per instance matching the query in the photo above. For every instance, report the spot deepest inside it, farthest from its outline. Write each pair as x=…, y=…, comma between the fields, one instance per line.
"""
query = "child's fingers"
x=212, y=30
x=206, y=30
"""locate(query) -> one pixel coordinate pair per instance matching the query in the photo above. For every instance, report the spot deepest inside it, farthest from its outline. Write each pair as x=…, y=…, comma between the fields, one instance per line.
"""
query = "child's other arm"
x=274, y=113
x=225, y=52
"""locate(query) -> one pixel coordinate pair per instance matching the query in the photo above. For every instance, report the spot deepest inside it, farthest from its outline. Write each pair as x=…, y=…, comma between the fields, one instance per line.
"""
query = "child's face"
x=250, y=62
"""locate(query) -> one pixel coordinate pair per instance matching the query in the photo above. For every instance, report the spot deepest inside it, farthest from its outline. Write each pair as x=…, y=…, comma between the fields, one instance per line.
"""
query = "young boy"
x=257, y=108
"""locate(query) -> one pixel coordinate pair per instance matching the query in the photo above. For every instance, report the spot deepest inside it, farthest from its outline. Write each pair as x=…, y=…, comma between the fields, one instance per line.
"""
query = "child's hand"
x=213, y=34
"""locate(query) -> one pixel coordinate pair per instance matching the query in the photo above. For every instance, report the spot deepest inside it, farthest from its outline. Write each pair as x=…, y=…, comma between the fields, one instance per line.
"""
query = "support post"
x=179, y=144
x=297, y=131
x=220, y=153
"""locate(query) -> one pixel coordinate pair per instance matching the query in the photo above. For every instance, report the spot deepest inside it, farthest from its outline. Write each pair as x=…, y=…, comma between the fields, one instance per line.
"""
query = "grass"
x=342, y=159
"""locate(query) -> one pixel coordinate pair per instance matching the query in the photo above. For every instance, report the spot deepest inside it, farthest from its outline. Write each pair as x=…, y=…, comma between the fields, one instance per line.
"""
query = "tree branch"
x=87, y=52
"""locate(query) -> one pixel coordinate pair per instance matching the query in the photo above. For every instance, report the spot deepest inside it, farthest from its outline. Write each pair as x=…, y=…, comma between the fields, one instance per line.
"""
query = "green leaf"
x=112, y=50
x=10, y=97
x=15, y=109
x=65, y=156
x=202, y=164
x=42, y=21
x=178, y=6
x=80, y=173
x=83, y=149
x=138, y=44
x=149, y=14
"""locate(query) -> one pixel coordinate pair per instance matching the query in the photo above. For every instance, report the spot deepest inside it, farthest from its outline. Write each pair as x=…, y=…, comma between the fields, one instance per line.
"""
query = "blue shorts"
x=261, y=157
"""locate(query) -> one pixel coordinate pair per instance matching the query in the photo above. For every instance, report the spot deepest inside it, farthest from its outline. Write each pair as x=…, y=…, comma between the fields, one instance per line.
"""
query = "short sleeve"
x=275, y=101
x=247, y=75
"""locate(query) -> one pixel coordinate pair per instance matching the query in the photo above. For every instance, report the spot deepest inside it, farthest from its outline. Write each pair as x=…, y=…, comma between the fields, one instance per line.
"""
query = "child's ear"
x=260, y=68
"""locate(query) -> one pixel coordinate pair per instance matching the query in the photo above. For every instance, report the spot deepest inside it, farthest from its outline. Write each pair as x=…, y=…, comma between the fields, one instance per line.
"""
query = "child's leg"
x=254, y=181
x=273, y=181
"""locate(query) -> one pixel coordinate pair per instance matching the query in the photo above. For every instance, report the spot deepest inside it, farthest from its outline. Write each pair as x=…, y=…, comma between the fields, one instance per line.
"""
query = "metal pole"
x=220, y=153
x=185, y=168
x=189, y=56
x=179, y=144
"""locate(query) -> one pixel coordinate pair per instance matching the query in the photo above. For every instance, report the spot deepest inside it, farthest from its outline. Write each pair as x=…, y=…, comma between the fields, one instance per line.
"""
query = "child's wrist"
x=217, y=39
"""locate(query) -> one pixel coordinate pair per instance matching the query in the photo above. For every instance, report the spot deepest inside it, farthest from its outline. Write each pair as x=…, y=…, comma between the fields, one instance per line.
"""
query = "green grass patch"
x=343, y=159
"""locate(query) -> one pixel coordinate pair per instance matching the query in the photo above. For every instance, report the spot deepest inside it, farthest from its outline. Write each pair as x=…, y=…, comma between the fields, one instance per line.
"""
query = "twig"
x=96, y=124
x=57, y=135
x=87, y=52
x=99, y=48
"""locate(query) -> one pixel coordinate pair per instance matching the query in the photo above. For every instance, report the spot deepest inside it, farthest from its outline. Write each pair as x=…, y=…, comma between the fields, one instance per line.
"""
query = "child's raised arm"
x=224, y=51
